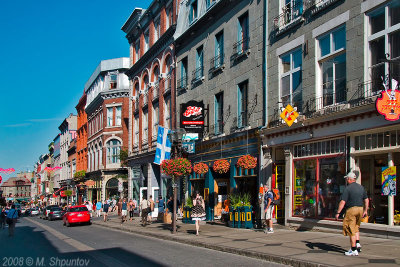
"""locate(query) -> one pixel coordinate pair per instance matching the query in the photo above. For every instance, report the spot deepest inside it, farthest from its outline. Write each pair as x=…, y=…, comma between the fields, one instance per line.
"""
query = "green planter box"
x=246, y=216
x=187, y=215
x=231, y=218
x=238, y=223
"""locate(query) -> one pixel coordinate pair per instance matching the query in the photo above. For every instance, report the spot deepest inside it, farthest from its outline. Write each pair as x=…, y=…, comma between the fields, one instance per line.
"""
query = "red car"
x=76, y=214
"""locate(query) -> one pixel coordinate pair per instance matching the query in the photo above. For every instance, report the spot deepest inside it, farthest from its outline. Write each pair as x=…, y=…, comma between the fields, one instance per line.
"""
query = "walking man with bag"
x=12, y=217
x=355, y=202
x=268, y=209
x=151, y=209
x=144, y=208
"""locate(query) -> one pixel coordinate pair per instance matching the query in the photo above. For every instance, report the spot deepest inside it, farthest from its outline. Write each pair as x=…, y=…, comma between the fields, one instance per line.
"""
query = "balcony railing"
x=290, y=12
x=241, y=47
x=156, y=90
x=198, y=74
x=366, y=92
x=182, y=84
x=145, y=100
x=167, y=85
x=153, y=142
x=217, y=62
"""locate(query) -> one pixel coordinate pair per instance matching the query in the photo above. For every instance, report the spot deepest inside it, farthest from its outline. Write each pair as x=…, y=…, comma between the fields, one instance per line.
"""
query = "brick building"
x=152, y=75
x=107, y=110
x=81, y=138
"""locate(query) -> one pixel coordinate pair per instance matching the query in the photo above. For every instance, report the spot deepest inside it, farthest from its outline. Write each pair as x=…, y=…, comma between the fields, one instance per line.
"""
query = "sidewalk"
x=296, y=248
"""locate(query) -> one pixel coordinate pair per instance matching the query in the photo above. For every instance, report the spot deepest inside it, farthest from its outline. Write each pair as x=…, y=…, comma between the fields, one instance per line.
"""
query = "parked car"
x=46, y=211
x=77, y=215
x=34, y=211
x=55, y=213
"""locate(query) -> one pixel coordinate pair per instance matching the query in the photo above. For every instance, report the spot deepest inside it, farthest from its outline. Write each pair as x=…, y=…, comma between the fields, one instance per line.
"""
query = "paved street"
x=51, y=243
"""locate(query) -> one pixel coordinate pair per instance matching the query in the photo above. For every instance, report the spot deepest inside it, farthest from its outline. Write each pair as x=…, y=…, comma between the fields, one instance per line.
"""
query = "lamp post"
x=176, y=141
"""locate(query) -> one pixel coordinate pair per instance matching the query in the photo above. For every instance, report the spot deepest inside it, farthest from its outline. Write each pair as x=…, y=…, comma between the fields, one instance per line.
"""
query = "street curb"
x=247, y=253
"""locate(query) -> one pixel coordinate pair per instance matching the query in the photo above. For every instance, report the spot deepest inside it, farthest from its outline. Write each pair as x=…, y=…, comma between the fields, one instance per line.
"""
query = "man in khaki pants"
x=355, y=200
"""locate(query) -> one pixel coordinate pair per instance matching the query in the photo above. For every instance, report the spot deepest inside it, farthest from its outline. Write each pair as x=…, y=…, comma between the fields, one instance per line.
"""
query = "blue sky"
x=48, y=51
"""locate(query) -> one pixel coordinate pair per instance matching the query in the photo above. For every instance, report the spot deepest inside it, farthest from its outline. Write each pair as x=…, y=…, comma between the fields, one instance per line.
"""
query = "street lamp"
x=176, y=137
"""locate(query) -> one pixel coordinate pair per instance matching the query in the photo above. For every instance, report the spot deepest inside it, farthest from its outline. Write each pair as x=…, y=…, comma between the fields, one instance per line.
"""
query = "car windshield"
x=56, y=209
x=77, y=209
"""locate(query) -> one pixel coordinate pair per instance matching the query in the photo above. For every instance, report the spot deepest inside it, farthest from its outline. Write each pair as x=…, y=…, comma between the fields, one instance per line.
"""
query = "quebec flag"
x=163, y=150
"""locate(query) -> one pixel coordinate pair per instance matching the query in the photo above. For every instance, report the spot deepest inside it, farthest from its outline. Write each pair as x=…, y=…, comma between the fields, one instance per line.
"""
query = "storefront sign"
x=188, y=146
x=389, y=104
x=62, y=194
x=192, y=117
x=389, y=181
x=90, y=183
x=289, y=115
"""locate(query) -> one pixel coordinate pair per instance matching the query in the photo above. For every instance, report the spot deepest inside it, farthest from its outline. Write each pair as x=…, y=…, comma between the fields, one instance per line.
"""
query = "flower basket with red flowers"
x=200, y=168
x=247, y=162
x=221, y=166
x=176, y=167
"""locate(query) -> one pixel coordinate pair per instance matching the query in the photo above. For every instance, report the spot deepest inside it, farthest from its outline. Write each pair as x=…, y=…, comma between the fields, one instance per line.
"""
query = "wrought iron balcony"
x=182, y=84
x=241, y=47
x=198, y=74
x=291, y=12
x=145, y=100
x=156, y=90
x=217, y=62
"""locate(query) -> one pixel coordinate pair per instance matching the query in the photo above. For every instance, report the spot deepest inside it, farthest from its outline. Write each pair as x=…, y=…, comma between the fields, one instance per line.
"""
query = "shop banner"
x=389, y=181
x=192, y=117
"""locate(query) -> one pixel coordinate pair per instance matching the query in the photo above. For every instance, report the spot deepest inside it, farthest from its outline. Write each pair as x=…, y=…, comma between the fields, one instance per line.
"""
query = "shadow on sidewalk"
x=324, y=246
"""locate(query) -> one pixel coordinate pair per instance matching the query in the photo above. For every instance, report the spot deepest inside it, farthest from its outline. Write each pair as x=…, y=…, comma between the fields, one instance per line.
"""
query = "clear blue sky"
x=48, y=51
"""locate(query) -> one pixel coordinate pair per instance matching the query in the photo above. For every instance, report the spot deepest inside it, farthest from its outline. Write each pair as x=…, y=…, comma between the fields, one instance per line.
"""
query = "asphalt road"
x=43, y=243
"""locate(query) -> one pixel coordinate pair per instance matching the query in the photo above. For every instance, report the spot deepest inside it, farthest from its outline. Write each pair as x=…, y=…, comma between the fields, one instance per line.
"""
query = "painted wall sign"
x=192, y=117
x=389, y=103
x=90, y=183
x=389, y=181
x=289, y=115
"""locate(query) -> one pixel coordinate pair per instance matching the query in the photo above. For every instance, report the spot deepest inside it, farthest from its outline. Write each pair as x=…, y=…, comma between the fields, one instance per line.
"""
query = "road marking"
x=101, y=257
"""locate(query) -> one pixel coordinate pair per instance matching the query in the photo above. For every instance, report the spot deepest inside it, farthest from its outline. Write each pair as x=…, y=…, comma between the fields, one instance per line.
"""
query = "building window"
x=168, y=19
x=193, y=11
x=183, y=81
x=167, y=111
x=384, y=38
x=136, y=130
x=113, y=81
x=146, y=41
x=137, y=51
x=155, y=119
x=145, y=126
x=243, y=34
x=291, y=79
x=219, y=50
x=219, y=113
x=387, y=139
x=110, y=116
x=292, y=9
x=242, y=104
x=113, y=150
x=198, y=73
x=118, y=118
x=210, y=3
x=157, y=30
x=332, y=64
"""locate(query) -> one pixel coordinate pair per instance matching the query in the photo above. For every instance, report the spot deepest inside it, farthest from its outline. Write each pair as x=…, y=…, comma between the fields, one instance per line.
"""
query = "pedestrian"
x=3, y=216
x=198, y=211
x=90, y=208
x=106, y=206
x=98, y=208
x=355, y=202
x=124, y=210
x=12, y=217
x=131, y=209
x=144, y=205
x=114, y=204
x=151, y=209
x=268, y=209
x=170, y=204
x=160, y=204
x=119, y=207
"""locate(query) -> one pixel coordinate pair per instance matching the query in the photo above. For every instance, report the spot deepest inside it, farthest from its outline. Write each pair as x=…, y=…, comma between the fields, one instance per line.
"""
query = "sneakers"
x=358, y=247
x=269, y=231
x=351, y=253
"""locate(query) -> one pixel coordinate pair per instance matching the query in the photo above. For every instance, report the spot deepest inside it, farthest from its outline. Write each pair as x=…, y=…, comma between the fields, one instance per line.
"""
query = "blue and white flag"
x=163, y=150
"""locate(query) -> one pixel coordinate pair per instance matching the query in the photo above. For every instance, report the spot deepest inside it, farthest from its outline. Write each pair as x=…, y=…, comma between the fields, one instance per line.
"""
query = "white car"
x=34, y=211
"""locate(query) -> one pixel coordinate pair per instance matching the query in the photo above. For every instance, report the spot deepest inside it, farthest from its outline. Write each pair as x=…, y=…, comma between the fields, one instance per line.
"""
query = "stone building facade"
x=327, y=60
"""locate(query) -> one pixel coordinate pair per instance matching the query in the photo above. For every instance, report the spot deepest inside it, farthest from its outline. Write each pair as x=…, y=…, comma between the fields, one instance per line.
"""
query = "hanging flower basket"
x=176, y=167
x=247, y=162
x=200, y=168
x=221, y=166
